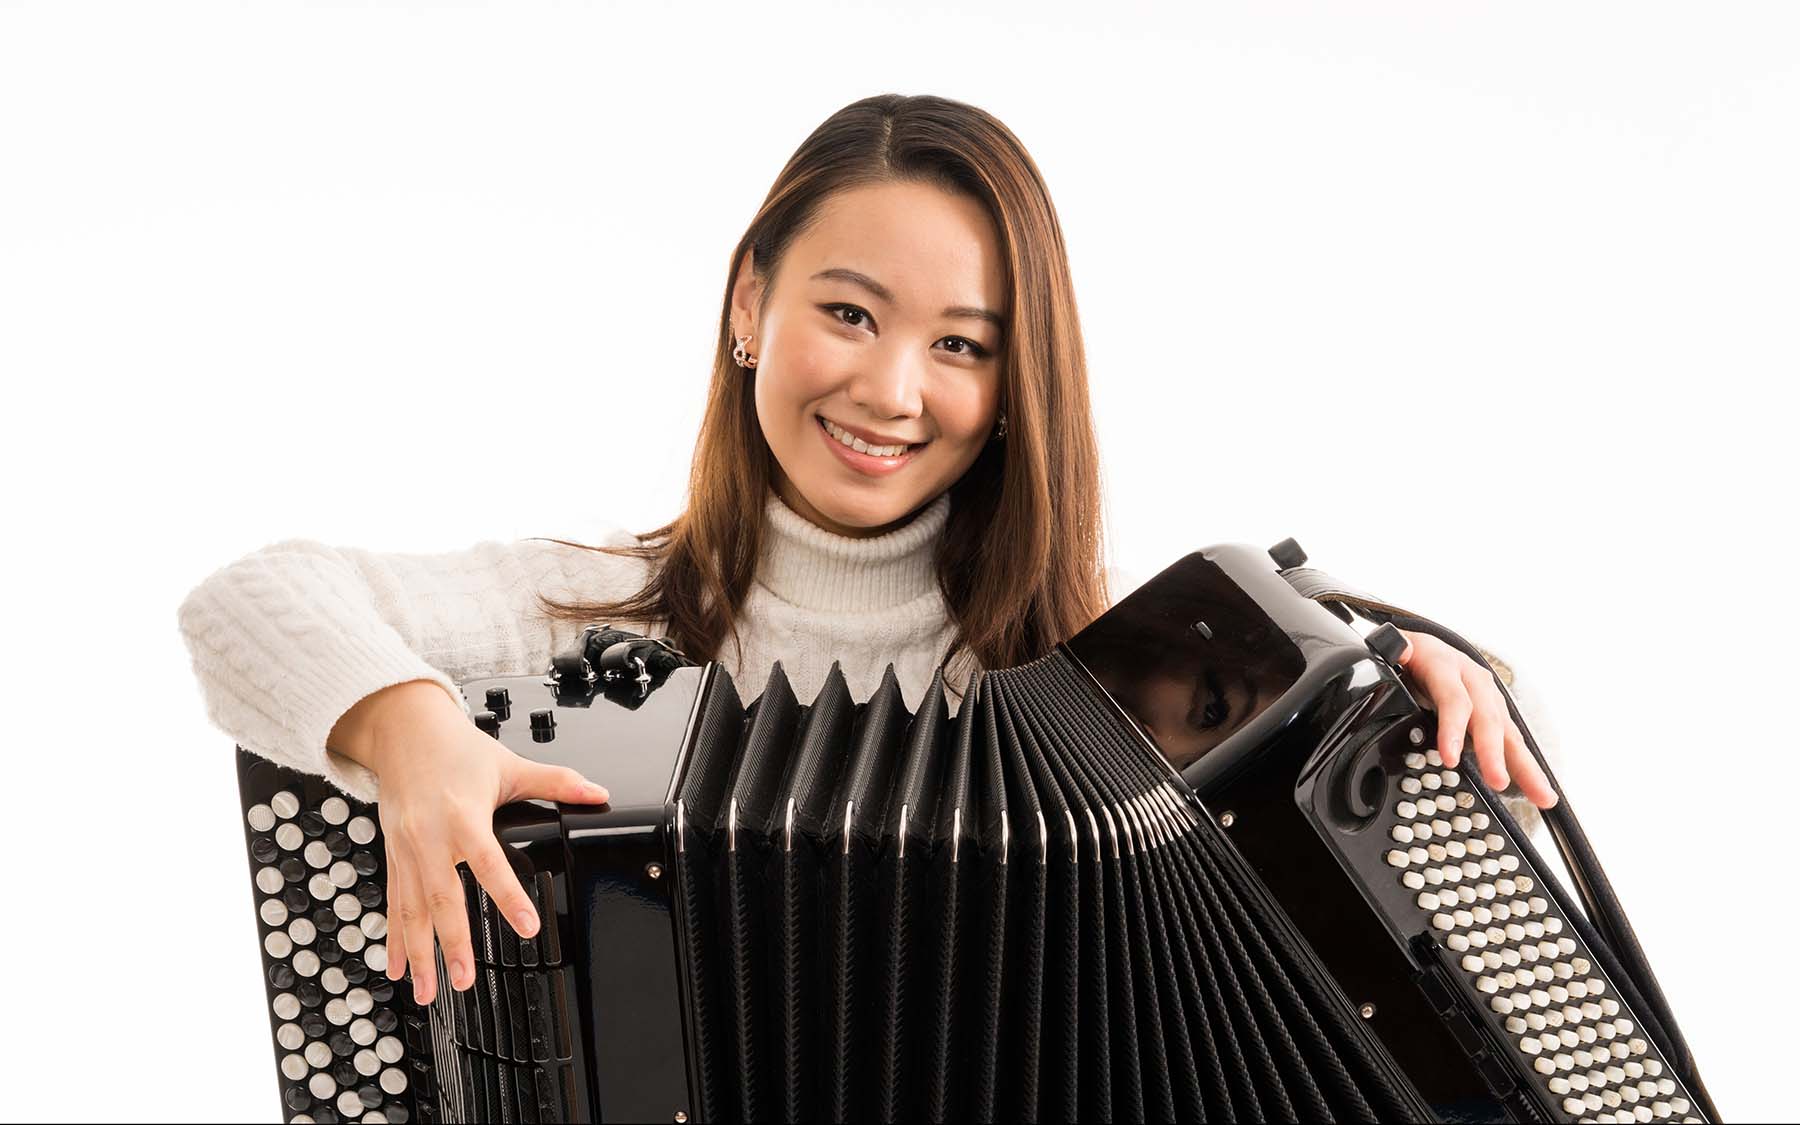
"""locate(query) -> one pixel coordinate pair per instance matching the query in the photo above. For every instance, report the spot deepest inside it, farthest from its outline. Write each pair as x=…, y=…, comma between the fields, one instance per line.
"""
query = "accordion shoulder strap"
x=1597, y=894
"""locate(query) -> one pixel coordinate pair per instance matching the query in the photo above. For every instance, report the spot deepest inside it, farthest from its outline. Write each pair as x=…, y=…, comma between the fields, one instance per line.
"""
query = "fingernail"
x=525, y=923
x=459, y=973
x=1453, y=755
x=419, y=991
x=598, y=792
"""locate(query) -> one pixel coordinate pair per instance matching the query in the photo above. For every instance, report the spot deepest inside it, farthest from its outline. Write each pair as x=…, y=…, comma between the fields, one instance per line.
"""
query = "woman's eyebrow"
x=971, y=312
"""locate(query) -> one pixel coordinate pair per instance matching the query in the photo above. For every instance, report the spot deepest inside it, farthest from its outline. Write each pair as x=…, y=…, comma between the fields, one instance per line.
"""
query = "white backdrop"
x=1492, y=306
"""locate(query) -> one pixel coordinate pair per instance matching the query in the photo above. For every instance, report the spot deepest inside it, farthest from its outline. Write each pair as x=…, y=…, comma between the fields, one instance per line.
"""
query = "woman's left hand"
x=1467, y=700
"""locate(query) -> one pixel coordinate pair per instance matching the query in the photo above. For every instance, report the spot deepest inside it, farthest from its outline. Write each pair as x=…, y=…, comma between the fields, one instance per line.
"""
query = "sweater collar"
x=812, y=568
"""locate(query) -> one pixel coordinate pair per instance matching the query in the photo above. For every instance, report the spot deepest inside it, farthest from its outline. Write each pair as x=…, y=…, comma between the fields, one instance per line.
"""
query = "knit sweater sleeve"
x=287, y=638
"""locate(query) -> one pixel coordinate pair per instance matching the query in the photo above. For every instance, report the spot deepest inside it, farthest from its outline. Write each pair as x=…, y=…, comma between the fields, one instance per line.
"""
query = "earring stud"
x=743, y=358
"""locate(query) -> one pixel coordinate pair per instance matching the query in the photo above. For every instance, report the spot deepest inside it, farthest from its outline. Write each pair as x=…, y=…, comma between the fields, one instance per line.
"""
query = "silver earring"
x=1000, y=430
x=744, y=359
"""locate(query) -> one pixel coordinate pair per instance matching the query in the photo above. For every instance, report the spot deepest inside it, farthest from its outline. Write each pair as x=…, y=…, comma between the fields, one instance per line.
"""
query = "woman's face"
x=875, y=326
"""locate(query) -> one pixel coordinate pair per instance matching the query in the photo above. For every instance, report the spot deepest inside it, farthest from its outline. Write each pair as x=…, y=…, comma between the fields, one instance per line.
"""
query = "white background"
x=1492, y=306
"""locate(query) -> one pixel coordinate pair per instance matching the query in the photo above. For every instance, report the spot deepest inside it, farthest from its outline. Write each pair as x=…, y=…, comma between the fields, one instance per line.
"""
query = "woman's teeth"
x=862, y=446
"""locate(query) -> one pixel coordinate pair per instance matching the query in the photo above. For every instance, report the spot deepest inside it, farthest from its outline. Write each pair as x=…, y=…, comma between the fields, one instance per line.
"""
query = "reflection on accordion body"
x=1197, y=863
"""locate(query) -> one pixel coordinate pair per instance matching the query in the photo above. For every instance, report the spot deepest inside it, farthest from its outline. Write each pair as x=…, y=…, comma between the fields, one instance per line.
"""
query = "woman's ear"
x=746, y=291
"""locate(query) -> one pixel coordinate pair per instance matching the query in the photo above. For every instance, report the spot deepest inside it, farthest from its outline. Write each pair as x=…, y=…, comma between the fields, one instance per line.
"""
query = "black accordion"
x=1200, y=862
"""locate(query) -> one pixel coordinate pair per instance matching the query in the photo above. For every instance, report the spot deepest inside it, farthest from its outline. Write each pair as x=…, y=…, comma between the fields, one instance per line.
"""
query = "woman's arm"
x=287, y=639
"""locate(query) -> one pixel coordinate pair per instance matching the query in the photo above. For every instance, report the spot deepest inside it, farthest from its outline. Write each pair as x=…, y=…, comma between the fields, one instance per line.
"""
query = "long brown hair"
x=1020, y=563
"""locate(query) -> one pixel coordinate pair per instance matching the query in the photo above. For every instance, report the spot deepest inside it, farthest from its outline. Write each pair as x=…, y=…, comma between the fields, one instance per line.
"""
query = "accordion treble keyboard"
x=352, y=1045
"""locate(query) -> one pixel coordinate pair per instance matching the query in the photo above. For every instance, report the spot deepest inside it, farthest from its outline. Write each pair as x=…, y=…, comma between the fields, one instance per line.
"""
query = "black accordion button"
x=297, y=1098
x=312, y=824
x=342, y=1045
x=325, y=1115
x=345, y=1073
x=297, y=899
x=264, y=849
x=356, y=972
x=337, y=843
x=398, y=1113
x=310, y=994
x=292, y=869
x=385, y=1019
x=365, y=863
x=325, y=920
x=314, y=1024
x=369, y=894
x=281, y=975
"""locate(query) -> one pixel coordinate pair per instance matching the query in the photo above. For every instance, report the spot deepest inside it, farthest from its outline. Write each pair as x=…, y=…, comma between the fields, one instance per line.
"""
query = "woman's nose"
x=891, y=386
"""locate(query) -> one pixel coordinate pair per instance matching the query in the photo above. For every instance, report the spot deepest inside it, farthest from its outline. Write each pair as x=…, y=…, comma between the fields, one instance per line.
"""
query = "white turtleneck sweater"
x=289, y=637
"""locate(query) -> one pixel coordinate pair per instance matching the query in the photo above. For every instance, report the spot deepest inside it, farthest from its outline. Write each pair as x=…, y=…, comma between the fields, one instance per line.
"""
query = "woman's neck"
x=812, y=567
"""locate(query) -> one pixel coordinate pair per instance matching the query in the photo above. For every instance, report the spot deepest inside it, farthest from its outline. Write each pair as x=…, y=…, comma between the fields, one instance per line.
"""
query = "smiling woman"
x=896, y=475
x=899, y=326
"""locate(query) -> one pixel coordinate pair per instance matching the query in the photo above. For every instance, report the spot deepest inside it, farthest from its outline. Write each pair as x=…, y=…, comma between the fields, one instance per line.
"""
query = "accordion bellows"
x=871, y=938
x=1197, y=863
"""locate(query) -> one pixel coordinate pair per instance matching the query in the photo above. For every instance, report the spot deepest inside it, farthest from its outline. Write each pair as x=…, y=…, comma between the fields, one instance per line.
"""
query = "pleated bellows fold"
x=1016, y=914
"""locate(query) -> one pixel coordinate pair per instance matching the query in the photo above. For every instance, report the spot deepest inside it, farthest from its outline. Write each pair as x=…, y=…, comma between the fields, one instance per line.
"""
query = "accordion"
x=1198, y=862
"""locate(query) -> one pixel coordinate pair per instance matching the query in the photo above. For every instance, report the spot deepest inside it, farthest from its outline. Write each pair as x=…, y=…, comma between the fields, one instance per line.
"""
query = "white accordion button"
x=362, y=1032
x=273, y=911
x=317, y=854
x=318, y=1053
x=289, y=836
x=376, y=957
x=286, y=1005
x=278, y=944
x=335, y=810
x=361, y=829
x=285, y=804
x=302, y=931
x=269, y=881
x=261, y=817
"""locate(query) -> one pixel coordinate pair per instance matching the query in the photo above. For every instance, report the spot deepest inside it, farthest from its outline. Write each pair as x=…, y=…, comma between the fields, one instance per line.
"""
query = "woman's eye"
x=839, y=311
x=852, y=310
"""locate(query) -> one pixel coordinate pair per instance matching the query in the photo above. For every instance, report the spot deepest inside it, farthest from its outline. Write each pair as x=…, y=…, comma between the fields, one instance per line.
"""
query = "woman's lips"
x=862, y=462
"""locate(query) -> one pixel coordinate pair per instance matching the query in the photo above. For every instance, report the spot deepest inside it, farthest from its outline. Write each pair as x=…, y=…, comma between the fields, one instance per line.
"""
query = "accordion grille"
x=1015, y=914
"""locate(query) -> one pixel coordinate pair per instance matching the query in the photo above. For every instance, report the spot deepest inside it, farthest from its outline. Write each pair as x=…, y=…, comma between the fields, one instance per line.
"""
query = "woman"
x=897, y=464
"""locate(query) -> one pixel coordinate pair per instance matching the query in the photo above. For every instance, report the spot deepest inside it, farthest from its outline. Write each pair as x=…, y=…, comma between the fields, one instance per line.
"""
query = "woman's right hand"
x=441, y=780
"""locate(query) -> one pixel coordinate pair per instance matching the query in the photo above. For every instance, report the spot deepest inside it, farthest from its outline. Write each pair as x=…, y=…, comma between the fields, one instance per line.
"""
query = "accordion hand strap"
x=1602, y=903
